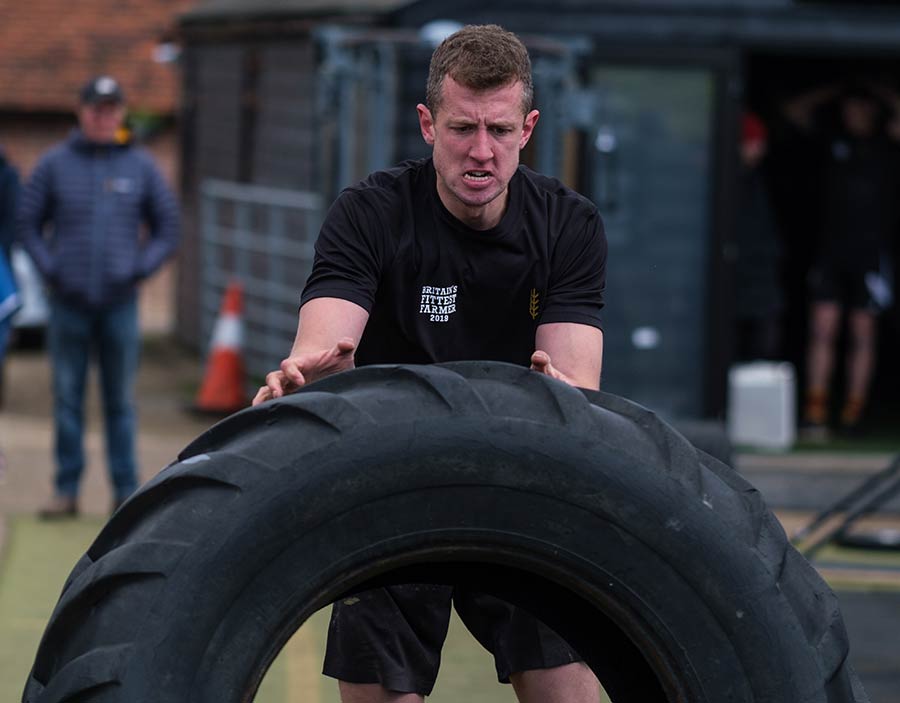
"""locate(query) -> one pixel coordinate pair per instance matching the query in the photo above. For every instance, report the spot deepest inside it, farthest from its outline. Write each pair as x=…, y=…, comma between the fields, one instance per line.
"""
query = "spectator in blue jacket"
x=97, y=218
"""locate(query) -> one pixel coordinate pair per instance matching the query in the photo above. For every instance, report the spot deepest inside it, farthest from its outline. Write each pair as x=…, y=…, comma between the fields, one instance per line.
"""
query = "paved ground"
x=166, y=381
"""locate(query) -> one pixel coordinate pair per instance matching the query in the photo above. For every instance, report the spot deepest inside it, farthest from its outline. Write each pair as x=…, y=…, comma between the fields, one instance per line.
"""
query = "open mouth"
x=477, y=176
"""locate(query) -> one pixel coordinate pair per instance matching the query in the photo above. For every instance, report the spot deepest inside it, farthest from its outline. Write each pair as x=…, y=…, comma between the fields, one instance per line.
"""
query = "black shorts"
x=393, y=636
x=851, y=286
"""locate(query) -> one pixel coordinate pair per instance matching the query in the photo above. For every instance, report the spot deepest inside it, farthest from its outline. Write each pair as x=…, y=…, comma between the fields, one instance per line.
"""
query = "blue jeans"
x=74, y=335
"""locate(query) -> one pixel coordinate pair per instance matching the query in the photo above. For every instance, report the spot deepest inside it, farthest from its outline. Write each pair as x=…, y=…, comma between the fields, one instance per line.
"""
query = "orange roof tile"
x=51, y=47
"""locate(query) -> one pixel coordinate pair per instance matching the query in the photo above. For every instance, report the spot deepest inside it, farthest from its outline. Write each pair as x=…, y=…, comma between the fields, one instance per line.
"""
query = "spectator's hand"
x=540, y=362
x=305, y=367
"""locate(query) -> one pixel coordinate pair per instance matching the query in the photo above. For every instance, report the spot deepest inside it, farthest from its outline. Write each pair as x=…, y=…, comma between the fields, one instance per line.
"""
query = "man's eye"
x=462, y=128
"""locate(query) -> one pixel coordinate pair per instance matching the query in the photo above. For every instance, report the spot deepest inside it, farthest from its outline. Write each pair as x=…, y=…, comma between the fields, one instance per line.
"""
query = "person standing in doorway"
x=97, y=218
x=851, y=278
x=760, y=299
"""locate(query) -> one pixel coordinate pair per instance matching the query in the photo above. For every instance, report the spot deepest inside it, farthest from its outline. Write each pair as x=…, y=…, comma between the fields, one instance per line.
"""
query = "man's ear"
x=530, y=121
x=426, y=124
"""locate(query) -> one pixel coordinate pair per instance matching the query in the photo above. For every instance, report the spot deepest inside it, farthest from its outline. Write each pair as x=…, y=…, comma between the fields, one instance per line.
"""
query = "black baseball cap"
x=101, y=89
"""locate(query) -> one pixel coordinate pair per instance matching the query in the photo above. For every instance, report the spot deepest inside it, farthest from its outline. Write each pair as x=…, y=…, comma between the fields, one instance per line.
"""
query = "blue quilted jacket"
x=81, y=218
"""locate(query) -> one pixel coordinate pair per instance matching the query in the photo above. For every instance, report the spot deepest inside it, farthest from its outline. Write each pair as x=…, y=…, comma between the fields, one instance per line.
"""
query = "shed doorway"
x=793, y=171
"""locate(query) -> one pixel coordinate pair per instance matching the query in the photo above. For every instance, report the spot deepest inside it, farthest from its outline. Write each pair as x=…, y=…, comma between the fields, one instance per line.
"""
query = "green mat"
x=38, y=557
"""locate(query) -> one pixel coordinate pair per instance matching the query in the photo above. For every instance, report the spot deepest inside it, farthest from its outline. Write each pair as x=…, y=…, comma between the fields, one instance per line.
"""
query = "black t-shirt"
x=859, y=195
x=437, y=290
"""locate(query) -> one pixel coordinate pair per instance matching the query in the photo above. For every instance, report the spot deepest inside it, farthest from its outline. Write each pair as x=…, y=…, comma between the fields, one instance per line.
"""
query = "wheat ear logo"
x=534, y=304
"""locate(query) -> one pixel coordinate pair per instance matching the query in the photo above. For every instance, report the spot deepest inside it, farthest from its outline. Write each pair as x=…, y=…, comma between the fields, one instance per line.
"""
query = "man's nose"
x=481, y=148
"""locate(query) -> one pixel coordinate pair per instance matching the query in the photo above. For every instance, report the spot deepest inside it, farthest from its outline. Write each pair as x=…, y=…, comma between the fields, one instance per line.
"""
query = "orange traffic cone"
x=223, y=390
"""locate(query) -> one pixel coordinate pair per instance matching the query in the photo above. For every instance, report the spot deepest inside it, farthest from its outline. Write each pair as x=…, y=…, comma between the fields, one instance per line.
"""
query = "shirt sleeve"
x=349, y=252
x=578, y=274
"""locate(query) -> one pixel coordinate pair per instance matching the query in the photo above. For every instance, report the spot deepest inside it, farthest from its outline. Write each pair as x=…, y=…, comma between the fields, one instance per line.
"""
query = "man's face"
x=477, y=136
x=99, y=121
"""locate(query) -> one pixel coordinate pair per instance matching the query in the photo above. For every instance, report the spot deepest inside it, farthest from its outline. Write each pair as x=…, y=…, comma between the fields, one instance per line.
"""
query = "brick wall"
x=51, y=47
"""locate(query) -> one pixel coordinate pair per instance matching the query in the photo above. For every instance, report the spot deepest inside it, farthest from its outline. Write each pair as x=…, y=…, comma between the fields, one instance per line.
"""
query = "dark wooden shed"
x=641, y=103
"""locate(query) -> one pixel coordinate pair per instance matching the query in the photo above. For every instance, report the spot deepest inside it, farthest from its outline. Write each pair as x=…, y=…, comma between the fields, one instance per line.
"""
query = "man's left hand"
x=540, y=362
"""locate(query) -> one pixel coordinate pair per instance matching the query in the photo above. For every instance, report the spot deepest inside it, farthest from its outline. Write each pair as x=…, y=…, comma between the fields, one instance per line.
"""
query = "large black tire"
x=709, y=436
x=662, y=566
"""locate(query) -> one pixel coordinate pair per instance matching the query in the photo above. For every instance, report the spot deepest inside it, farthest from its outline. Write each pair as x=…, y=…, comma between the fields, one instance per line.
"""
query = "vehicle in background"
x=30, y=322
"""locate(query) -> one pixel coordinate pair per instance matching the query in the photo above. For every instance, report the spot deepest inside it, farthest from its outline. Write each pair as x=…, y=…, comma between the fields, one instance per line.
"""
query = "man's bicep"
x=575, y=349
x=324, y=321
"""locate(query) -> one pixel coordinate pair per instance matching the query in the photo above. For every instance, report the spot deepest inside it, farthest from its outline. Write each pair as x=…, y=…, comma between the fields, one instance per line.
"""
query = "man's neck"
x=477, y=217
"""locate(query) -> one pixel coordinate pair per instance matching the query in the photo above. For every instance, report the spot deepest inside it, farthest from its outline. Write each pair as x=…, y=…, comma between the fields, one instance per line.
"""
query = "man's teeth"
x=478, y=175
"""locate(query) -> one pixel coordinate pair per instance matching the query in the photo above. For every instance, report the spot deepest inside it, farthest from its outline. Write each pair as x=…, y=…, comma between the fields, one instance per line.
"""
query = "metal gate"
x=261, y=238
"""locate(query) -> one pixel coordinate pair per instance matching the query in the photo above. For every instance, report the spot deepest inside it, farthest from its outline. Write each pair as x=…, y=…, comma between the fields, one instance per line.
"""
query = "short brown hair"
x=480, y=57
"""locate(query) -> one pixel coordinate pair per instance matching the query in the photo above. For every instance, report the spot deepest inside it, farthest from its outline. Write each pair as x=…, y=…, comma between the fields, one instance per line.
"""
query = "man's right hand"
x=305, y=367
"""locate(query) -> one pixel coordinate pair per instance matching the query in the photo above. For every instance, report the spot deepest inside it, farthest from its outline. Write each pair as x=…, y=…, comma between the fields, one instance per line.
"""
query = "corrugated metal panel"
x=217, y=130
x=411, y=89
x=285, y=144
x=211, y=142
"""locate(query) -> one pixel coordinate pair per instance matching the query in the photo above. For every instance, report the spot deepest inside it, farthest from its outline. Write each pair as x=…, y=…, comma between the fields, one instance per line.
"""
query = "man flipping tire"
x=465, y=255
